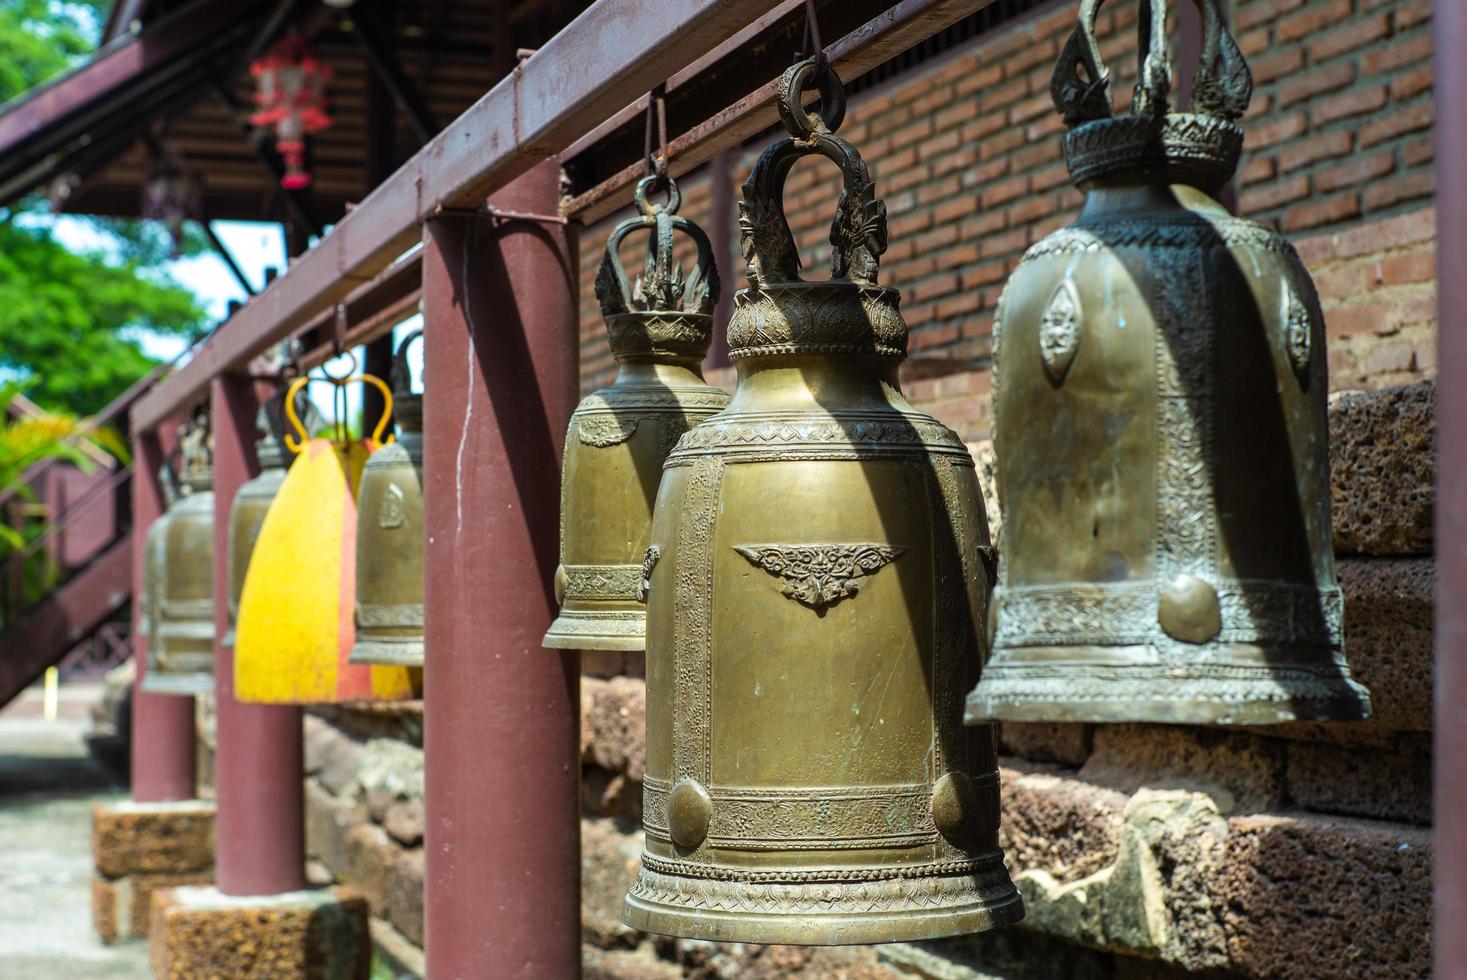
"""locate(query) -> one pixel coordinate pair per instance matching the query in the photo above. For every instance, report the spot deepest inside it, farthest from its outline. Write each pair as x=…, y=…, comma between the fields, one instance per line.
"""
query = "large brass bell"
x=1160, y=431
x=815, y=606
x=660, y=329
x=181, y=654
x=389, y=606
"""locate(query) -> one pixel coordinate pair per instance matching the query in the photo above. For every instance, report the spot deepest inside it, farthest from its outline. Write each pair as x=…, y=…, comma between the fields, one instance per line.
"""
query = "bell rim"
x=971, y=913
x=590, y=630
x=1155, y=693
x=178, y=685
x=405, y=653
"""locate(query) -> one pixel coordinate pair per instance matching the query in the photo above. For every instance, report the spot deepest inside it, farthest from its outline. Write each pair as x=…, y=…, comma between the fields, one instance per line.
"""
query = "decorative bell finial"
x=389, y=610
x=1159, y=423
x=660, y=327
x=814, y=599
x=181, y=653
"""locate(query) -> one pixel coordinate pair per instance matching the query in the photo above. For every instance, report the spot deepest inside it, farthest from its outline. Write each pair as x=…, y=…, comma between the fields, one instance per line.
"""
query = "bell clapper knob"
x=954, y=803
x=1189, y=610
x=689, y=811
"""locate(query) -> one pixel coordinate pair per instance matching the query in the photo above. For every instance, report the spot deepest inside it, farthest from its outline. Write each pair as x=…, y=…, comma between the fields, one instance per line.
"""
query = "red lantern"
x=290, y=84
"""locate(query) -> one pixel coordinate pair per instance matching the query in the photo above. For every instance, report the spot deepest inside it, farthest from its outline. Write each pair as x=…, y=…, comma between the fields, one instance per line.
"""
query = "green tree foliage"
x=70, y=321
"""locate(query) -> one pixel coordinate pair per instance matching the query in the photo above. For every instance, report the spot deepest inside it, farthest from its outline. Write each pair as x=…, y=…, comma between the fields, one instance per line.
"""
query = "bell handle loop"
x=401, y=375
x=297, y=442
x=858, y=231
x=614, y=288
x=796, y=80
x=1080, y=85
x=661, y=182
x=380, y=385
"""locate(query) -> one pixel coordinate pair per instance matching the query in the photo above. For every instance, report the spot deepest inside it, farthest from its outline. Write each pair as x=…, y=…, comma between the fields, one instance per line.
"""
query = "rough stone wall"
x=1143, y=851
x=965, y=151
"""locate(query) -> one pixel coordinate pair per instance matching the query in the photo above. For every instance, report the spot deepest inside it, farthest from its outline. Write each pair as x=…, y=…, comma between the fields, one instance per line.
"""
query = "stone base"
x=139, y=848
x=201, y=933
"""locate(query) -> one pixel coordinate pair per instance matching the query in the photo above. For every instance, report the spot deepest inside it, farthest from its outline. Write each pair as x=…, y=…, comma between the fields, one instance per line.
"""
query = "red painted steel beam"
x=615, y=51
x=501, y=714
x=895, y=29
x=1450, y=27
x=259, y=846
x=162, y=725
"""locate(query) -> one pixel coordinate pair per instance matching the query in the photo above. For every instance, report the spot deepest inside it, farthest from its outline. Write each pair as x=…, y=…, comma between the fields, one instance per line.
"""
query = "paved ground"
x=47, y=788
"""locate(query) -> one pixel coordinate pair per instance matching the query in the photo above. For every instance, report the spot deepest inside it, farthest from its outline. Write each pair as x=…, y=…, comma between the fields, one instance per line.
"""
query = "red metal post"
x=260, y=827
x=162, y=725
x=501, y=713
x=1451, y=501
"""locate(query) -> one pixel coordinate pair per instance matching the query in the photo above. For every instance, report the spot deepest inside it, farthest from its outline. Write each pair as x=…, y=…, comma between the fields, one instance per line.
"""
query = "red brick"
x=1262, y=11
x=1013, y=240
x=959, y=159
x=1410, y=83
x=953, y=210
x=1413, y=13
x=1050, y=177
x=909, y=224
x=1398, y=122
x=1284, y=61
x=1324, y=212
x=1001, y=143
x=1004, y=191
x=1399, y=53
x=984, y=125
x=1355, y=172
x=1314, y=149
x=985, y=275
x=1418, y=151
x=983, y=223
x=1312, y=19
x=985, y=173
x=1397, y=232
x=940, y=237
x=957, y=255
x=1355, y=102
x=1397, y=270
x=957, y=306
x=1031, y=108
x=936, y=190
x=937, y=286
x=1276, y=130
x=1270, y=196
x=979, y=79
x=1031, y=209
x=1353, y=35
x=1044, y=127
x=1397, y=189
x=912, y=132
x=1316, y=81
x=960, y=111
x=1358, y=318
x=1257, y=169
x=1253, y=43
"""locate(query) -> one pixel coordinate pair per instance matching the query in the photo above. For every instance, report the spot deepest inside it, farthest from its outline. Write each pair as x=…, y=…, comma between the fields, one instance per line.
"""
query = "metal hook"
x=656, y=115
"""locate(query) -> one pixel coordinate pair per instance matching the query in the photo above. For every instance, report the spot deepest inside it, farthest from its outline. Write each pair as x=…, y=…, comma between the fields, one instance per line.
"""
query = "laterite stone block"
x=198, y=933
x=153, y=838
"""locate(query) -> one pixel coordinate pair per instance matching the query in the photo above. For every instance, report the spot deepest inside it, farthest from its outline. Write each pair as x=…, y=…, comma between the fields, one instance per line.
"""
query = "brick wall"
x=966, y=153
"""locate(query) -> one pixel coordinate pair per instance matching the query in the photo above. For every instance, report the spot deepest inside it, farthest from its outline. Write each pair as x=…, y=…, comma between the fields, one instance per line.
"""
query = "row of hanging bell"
x=178, y=576
x=815, y=601
x=1160, y=429
x=295, y=626
x=660, y=328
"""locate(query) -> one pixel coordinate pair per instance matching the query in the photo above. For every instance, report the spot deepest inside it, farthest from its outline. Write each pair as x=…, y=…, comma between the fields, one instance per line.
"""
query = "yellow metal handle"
x=298, y=442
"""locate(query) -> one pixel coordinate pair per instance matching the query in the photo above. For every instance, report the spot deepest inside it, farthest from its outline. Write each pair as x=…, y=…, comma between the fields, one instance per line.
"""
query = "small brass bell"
x=660, y=329
x=1159, y=424
x=154, y=551
x=181, y=655
x=815, y=601
x=253, y=499
x=389, y=608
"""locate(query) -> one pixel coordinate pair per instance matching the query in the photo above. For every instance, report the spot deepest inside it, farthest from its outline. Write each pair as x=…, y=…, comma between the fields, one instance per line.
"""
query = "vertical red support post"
x=1451, y=495
x=259, y=774
x=162, y=724
x=501, y=713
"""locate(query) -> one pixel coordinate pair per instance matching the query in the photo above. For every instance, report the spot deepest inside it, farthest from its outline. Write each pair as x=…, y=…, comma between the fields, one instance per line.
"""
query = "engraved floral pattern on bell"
x=820, y=575
x=1298, y=328
x=1059, y=331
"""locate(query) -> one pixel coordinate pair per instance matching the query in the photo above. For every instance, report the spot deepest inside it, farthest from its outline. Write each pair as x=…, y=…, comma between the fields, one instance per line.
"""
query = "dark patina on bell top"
x=815, y=598
x=660, y=327
x=1160, y=429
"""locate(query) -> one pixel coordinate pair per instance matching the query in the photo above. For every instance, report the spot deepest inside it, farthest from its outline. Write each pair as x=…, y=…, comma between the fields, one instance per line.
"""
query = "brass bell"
x=181, y=654
x=154, y=552
x=1159, y=425
x=252, y=500
x=389, y=606
x=815, y=602
x=660, y=328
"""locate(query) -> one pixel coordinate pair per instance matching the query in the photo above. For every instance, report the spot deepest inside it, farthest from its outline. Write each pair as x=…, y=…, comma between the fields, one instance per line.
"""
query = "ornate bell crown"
x=1201, y=146
x=270, y=427
x=407, y=405
x=664, y=313
x=780, y=313
x=196, y=455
